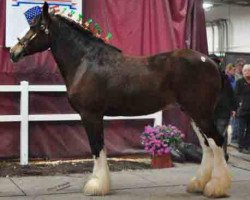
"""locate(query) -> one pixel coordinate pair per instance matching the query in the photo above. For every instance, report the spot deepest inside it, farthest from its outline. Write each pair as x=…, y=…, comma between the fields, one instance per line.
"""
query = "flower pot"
x=161, y=161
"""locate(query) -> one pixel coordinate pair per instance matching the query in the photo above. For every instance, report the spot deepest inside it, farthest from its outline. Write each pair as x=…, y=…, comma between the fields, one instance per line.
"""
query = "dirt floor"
x=43, y=168
x=135, y=162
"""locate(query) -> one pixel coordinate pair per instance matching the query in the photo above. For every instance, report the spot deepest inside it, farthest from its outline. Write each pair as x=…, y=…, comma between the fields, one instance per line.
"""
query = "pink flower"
x=159, y=139
x=167, y=150
x=149, y=129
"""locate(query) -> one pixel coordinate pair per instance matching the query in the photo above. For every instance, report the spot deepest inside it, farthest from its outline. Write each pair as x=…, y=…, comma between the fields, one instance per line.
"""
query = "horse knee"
x=99, y=182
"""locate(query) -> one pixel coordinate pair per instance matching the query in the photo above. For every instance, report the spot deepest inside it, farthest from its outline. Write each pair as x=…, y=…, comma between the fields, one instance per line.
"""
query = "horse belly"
x=135, y=106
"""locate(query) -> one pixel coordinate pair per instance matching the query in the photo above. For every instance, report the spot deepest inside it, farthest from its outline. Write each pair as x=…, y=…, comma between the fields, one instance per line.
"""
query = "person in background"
x=234, y=122
x=230, y=72
x=240, y=62
x=242, y=92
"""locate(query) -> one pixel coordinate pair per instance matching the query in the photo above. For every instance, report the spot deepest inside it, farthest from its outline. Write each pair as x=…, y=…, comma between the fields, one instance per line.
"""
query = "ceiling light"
x=207, y=5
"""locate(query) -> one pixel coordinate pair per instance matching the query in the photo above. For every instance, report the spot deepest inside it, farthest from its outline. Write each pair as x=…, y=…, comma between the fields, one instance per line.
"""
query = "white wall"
x=239, y=26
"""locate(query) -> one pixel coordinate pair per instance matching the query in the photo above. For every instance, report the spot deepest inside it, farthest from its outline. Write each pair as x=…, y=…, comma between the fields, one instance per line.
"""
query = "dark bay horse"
x=101, y=80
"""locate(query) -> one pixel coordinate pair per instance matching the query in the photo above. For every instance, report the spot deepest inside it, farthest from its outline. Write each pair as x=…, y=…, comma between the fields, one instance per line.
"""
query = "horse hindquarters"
x=99, y=182
x=212, y=178
x=198, y=101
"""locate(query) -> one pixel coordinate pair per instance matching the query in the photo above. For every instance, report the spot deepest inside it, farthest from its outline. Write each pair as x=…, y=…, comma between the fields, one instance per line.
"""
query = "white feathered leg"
x=203, y=175
x=99, y=182
x=221, y=180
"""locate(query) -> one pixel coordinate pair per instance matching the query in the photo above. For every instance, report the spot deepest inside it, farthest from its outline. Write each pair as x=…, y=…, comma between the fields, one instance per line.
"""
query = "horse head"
x=37, y=39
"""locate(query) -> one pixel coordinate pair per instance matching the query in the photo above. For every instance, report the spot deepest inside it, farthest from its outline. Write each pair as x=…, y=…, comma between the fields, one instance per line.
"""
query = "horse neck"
x=71, y=48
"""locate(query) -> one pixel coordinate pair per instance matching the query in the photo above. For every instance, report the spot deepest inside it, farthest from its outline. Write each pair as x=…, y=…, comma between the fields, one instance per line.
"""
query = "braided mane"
x=81, y=29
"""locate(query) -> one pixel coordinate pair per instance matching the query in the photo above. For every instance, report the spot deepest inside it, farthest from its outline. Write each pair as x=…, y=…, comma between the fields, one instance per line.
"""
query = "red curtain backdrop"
x=139, y=27
x=145, y=27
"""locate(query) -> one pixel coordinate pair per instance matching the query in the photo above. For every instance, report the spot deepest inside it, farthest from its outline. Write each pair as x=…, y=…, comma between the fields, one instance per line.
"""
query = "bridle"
x=25, y=43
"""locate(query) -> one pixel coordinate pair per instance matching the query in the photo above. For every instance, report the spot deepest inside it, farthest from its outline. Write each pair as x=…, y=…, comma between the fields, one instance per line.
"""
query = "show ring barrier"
x=24, y=118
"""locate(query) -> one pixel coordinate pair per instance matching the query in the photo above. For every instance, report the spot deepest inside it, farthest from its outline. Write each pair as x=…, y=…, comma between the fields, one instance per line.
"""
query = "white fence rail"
x=24, y=118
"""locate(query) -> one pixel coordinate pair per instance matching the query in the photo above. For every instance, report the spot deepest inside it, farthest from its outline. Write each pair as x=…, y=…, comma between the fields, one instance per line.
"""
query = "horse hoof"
x=195, y=186
x=214, y=189
x=94, y=187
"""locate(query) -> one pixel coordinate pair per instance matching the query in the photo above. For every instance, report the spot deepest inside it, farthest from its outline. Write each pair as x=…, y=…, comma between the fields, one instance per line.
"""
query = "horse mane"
x=81, y=29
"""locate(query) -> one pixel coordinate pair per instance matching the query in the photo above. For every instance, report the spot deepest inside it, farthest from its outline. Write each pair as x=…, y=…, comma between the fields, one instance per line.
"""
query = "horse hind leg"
x=99, y=182
x=204, y=172
x=213, y=177
x=220, y=180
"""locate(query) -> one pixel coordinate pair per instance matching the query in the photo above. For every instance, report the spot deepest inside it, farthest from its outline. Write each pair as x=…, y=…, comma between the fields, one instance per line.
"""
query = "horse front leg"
x=99, y=182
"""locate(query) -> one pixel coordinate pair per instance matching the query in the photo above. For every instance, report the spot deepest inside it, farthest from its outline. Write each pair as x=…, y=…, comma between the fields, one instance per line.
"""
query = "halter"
x=25, y=43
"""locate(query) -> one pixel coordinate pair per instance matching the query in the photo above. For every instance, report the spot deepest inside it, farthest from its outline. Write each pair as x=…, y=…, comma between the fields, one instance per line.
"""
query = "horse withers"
x=101, y=81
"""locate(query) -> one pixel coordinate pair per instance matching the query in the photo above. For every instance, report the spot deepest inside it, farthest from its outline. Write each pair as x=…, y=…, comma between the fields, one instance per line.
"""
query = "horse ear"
x=46, y=11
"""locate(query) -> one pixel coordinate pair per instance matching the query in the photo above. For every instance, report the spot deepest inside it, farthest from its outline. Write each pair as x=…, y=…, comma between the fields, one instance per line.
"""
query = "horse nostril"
x=11, y=54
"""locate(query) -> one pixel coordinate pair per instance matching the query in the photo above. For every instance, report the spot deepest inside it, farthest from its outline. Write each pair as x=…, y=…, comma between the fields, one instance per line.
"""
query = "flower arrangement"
x=160, y=139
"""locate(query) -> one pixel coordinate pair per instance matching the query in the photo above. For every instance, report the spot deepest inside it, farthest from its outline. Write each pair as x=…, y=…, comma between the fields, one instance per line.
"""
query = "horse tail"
x=226, y=103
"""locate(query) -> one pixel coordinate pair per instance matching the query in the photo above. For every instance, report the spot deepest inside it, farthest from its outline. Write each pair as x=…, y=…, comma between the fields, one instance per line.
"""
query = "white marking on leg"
x=99, y=183
x=221, y=179
x=203, y=175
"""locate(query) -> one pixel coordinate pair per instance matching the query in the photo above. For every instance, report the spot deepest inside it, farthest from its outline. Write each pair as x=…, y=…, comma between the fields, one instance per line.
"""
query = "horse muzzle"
x=15, y=56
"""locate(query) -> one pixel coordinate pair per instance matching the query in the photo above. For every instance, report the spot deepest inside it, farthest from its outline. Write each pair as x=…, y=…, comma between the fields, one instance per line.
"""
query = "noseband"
x=26, y=42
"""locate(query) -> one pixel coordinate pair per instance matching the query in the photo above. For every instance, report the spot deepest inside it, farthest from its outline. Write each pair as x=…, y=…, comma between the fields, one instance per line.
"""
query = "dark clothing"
x=244, y=136
x=242, y=92
x=232, y=81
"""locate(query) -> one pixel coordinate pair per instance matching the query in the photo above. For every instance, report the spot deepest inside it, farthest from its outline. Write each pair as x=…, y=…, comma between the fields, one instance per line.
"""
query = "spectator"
x=230, y=72
x=242, y=92
x=240, y=62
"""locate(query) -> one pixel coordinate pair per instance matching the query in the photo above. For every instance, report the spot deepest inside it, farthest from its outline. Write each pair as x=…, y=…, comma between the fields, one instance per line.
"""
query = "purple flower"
x=160, y=139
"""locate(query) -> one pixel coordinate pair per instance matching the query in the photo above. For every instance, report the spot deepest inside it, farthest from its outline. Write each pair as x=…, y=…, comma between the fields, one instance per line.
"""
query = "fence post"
x=158, y=119
x=24, y=113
